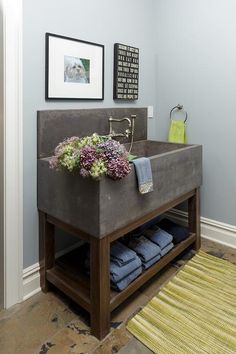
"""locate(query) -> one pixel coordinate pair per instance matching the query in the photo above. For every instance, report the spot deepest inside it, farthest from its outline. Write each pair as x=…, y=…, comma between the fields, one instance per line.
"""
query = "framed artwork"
x=126, y=72
x=74, y=69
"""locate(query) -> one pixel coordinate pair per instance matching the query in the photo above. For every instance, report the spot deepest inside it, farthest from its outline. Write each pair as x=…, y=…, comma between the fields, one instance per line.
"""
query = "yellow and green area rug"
x=194, y=313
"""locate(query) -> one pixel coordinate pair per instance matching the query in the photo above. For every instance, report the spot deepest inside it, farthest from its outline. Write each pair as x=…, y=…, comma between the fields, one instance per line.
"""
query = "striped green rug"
x=194, y=313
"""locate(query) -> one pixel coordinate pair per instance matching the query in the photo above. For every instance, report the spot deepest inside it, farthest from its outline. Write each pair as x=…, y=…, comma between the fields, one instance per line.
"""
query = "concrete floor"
x=52, y=324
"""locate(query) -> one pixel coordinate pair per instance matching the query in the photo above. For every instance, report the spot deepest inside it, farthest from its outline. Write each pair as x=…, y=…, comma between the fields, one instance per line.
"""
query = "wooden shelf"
x=118, y=298
x=69, y=276
x=93, y=293
x=72, y=286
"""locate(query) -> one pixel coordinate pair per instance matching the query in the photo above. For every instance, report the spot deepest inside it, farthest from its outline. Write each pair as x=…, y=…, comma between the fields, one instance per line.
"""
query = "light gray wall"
x=196, y=61
x=106, y=22
x=187, y=55
x=1, y=166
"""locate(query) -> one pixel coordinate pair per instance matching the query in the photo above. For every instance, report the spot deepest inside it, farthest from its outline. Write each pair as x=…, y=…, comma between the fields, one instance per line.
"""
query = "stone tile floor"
x=52, y=324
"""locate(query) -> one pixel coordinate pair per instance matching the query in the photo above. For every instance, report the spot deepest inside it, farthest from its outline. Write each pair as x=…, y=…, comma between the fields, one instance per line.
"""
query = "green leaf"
x=131, y=157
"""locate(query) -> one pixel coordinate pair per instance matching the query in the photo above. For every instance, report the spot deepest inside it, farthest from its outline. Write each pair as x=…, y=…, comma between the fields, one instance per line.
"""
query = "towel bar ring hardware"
x=179, y=107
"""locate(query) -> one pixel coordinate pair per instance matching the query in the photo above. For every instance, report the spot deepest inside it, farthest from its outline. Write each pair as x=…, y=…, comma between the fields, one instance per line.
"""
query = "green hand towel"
x=177, y=132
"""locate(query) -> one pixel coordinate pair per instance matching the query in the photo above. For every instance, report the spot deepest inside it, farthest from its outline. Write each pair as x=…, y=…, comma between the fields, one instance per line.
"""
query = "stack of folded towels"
x=161, y=238
x=141, y=249
x=125, y=266
x=148, y=252
x=179, y=233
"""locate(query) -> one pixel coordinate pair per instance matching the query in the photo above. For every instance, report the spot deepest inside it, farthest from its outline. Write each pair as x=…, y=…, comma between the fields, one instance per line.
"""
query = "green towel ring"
x=179, y=107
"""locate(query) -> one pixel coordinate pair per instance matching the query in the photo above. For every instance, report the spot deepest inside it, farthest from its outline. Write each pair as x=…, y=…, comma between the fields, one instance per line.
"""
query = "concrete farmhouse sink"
x=101, y=207
x=101, y=212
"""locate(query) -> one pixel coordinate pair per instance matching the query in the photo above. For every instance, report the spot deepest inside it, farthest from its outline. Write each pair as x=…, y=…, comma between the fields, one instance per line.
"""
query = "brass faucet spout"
x=127, y=132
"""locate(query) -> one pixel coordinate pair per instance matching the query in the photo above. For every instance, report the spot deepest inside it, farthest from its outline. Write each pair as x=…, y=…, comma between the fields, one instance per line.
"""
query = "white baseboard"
x=213, y=230
x=31, y=281
x=31, y=276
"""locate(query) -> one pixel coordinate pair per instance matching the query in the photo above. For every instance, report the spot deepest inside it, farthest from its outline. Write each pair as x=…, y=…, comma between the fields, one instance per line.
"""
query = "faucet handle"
x=133, y=116
x=127, y=133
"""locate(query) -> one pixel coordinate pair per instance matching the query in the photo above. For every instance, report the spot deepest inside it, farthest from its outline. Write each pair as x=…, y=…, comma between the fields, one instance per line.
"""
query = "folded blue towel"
x=148, y=264
x=121, y=285
x=158, y=236
x=121, y=255
x=117, y=273
x=178, y=232
x=167, y=249
x=143, y=171
x=144, y=248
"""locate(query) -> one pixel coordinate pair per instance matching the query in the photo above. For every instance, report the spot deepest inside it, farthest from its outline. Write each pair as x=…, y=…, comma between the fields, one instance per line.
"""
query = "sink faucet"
x=128, y=132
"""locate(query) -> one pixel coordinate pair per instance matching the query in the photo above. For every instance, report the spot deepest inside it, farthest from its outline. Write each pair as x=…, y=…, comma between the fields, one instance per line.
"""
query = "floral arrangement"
x=94, y=156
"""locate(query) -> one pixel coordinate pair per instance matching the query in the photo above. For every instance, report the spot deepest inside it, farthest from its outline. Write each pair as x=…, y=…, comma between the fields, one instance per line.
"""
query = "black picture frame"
x=96, y=81
x=126, y=72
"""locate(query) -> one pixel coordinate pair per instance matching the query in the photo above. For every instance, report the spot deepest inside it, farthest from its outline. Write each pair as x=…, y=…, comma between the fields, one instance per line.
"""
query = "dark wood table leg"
x=46, y=249
x=194, y=218
x=100, y=286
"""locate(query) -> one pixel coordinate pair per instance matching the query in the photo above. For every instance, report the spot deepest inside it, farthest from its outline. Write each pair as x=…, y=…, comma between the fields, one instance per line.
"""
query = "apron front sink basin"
x=102, y=207
x=151, y=148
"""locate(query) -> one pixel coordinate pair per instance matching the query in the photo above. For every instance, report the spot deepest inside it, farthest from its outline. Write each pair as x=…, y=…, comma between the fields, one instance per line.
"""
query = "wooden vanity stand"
x=101, y=212
x=94, y=293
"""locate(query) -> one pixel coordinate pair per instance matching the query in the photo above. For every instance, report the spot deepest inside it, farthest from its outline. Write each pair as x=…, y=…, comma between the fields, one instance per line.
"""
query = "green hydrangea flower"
x=92, y=140
x=69, y=158
x=98, y=169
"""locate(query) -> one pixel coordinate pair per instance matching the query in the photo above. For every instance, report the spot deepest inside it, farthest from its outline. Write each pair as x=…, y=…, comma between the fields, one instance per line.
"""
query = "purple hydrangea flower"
x=118, y=168
x=87, y=157
x=92, y=156
x=113, y=149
